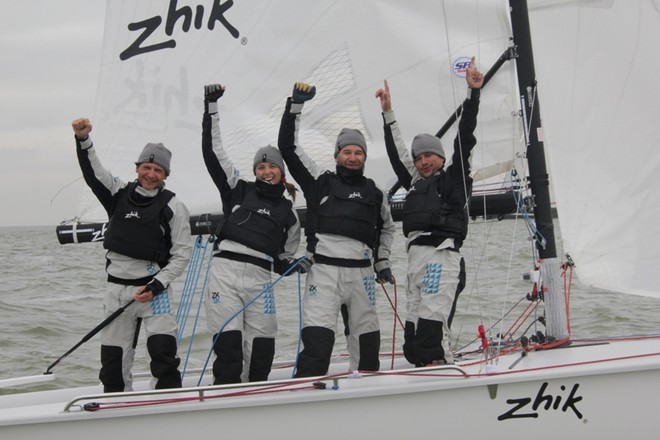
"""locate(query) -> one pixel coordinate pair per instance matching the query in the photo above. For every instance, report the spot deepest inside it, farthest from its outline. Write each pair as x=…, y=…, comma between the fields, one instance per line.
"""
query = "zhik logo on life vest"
x=132, y=214
x=355, y=195
x=264, y=211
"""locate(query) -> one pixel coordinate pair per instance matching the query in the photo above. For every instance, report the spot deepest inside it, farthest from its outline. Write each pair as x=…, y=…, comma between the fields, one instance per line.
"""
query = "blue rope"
x=268, y=288
x=199, y=307
x=192, y=273
x=190, y=287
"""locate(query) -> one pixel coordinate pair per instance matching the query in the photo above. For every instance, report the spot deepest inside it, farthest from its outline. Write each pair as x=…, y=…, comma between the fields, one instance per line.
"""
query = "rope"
x=190, y=284
x=395, y=310
x=264, y=290
x=199, y=308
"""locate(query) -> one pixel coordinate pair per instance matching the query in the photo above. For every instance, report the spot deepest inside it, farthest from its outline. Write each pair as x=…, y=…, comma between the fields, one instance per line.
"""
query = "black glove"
x=385, y=275
x=213, y=92
x=301, y=267
x=155, y=286
x=305, y=265
x=303, y=92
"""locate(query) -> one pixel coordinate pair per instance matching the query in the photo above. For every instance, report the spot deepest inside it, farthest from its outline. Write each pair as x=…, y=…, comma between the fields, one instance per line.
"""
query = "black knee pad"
x=228, y=364
x=261, y=359
x=314, y=360
x=111, y=369
x=164, y=362
x=428, y=341
x=408, y=343
x=369, y=351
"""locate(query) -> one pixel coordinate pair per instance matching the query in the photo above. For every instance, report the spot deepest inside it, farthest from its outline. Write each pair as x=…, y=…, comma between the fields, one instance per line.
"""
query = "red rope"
x=395, y=309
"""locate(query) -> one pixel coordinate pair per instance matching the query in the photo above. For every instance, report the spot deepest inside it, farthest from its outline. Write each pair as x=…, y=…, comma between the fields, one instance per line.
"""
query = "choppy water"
x=50, y=297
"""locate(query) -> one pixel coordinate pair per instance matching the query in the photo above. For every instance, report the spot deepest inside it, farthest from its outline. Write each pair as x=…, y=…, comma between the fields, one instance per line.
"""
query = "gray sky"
x=50, y=51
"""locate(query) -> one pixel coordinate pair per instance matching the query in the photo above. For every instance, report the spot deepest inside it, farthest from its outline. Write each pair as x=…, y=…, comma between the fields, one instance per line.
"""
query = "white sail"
x=597, y=65
x=598, y=98
x=345, y=48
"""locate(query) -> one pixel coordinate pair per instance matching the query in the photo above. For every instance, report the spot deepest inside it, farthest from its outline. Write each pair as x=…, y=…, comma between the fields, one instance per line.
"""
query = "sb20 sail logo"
x=147, y=41
x=460, y=66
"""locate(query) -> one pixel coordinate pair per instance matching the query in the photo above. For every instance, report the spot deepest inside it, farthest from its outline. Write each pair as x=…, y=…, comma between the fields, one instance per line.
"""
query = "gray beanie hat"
x=156, y=153
x=268, y=154
x=427, y=143
x=350, y=136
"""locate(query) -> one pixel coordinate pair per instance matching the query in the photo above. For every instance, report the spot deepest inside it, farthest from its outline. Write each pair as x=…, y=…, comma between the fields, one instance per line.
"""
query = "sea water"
x=51, y=297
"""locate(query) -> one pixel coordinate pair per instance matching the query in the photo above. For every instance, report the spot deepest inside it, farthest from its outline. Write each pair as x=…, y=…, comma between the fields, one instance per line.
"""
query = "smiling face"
x=428, y=164
x=351, y=157
x=268, y=172
x=150, y=175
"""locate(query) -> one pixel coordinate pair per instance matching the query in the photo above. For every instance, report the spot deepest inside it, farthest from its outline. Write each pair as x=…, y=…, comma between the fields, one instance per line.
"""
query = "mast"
x=556, y=313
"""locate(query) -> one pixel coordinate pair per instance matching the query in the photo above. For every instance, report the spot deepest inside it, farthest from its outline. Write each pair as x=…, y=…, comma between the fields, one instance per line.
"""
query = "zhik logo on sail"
x=185, y=16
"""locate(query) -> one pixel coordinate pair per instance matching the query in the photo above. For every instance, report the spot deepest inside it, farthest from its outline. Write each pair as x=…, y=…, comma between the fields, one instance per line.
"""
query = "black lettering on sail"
x=150, y=25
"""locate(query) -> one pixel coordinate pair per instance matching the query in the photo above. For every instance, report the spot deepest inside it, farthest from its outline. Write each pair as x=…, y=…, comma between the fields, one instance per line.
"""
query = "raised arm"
x=222, y=171
x=397, y=152
x=465, y=140
x=99, y=179
x=302, y=168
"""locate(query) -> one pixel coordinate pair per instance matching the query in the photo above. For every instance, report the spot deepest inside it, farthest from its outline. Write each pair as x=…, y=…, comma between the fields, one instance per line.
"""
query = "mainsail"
x=158, y=55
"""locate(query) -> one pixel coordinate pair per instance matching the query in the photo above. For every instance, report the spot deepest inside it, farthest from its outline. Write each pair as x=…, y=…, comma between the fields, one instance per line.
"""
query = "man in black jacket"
x=435, y=224
x=149, y=245
x=349, y=232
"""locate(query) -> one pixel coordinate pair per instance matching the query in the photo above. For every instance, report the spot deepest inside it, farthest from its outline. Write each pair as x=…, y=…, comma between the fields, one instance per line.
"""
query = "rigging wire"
x=300, y=327
x=62, y=189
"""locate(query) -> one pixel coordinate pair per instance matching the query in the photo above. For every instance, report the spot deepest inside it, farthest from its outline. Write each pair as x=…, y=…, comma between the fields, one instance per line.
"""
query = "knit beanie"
x=156, y=153
x=350, y=136
x=427, y=143
x=268, y=154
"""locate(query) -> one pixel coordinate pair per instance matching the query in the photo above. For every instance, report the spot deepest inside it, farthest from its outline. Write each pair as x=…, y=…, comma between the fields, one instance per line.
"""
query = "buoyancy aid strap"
x=264, y=264
x=344, y=262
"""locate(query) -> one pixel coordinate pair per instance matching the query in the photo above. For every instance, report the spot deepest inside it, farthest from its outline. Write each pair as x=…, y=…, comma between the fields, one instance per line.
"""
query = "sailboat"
x=595, y=105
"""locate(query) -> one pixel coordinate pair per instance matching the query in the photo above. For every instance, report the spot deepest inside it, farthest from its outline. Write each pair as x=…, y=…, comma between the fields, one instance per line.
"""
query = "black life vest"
x=139, y=226
x=259, y=222
x=426, y=210
x=351, y=211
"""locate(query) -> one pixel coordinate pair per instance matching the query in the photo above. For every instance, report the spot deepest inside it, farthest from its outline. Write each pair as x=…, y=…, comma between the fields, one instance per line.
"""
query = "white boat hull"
x=577, y=391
